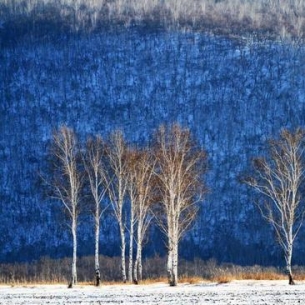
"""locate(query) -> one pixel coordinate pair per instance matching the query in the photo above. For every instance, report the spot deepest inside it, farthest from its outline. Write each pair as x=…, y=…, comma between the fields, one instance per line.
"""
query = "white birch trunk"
x=123, y=249
x=140, y=267
x=280, y=178
x=117, y=184
x=140, y=236
x=131, y=244
x=179, y=175
x=139, y=252
x=289, y=271
x=74, y=257
x=137, y=270
x=97, y=239
x=175, y=264
x=67, y=154
x=289, y=257
x=169, y=265
x=172, y=265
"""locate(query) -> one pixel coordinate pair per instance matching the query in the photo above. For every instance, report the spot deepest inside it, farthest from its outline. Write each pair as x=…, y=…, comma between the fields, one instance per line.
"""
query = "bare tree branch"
x=94, y=159
x=68, y=181
x=116, y=182
x=179, y=171
x=279, y=178
x=141, y=191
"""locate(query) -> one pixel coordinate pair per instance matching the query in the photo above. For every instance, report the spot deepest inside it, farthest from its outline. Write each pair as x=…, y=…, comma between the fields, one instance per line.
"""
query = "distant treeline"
x=266, y=18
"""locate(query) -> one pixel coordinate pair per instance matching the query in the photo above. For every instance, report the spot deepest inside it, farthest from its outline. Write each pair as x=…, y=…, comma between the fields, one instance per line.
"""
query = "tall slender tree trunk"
x=288, y=263
x=131, y=245
x=172, y=263
x=175, y=264
x=179, y=169
x=97, y=239
x=140, y=266
x=68, y=182
x=123, y=249
x=137, y=270
x=170, y=266
x=74, y=257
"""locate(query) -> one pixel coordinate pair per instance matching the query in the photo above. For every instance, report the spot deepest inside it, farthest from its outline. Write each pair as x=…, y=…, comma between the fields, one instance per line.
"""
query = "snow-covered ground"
x=237, y=292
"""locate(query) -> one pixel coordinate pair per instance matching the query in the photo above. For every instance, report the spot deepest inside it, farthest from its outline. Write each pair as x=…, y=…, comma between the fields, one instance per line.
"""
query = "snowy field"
x=237, y=292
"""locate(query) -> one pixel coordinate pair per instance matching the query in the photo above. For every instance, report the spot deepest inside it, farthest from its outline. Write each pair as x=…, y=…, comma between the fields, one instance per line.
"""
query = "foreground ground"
x=237, y=292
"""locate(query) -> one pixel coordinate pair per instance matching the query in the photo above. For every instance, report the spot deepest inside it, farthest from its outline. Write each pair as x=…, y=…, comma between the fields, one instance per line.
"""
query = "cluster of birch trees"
x=162, y=182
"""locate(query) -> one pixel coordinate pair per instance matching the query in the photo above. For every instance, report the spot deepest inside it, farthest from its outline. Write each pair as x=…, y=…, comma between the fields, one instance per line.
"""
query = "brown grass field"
x=51, y=271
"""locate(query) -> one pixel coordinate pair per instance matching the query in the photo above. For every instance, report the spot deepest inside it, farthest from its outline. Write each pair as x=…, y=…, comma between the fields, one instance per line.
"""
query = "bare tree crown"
x=279, y=177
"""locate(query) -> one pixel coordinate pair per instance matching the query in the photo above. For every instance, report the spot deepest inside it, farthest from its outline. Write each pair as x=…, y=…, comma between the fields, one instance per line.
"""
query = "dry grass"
x=257, y=276
x=149, y=281
x=299, y=277
x=223, y=279
x=267, y=275
x=47, y=271
x=191, y=280
x=228, y=272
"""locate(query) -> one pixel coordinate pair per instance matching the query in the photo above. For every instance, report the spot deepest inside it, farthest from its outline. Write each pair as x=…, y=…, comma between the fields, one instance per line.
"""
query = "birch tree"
x=279, y=178
x=116, y=180
x=180, y=166
x=132, y=219
x=94, y=160
x=141, y=181
x=67, y=182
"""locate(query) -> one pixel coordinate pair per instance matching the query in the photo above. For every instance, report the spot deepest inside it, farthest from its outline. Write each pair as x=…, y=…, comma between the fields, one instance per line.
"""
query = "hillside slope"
x=233, y=94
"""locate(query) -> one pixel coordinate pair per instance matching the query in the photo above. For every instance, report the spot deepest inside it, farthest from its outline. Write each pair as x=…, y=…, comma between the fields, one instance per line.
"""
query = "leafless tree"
x=67, y=181
x=279, y=177
x=141, y=177
x=132, y=196
x=94, y=160
x=117, y=183
x=180, y=166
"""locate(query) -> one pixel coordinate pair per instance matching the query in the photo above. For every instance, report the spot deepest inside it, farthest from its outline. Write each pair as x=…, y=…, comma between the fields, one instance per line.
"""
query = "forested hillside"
x=262, y=18
x=234, y=94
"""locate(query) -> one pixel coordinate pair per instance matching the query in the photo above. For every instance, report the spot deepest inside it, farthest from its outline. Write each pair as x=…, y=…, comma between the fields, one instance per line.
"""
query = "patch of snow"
x=237, y=292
